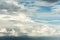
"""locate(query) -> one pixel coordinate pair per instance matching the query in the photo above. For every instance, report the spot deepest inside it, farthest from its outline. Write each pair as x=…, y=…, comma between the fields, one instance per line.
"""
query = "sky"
x=30, y=15
x=45, y=11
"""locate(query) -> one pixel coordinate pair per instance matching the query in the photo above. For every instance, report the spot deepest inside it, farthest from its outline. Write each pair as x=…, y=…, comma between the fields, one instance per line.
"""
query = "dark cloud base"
x=51, y=1
x=29, y=38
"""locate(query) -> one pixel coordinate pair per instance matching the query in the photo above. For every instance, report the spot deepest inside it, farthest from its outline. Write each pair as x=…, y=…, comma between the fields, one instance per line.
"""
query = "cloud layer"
x=27, y=17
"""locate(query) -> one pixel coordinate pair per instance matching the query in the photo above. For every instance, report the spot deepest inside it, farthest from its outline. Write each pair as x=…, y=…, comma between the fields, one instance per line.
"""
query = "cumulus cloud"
x=11, y=17
x=10, y=7
x=43, y=31
x=29, y=31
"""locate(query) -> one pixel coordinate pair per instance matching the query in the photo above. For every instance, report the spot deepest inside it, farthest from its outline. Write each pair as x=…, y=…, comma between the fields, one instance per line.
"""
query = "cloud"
x=12, y=18
x=10, y=6
x=16, y=17
x=44, y=31
x=51, y=0
x=29, y=31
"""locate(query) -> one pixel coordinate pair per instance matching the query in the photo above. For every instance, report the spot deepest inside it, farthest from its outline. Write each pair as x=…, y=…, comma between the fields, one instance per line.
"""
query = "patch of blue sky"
x=28, y=4
x=40, y=8
x=44, y=18
x=44, y=9
x=58, y=3
x=49, y=20
x=55, y=23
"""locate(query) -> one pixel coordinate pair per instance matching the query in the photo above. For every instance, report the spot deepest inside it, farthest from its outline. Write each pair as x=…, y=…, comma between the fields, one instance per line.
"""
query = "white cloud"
x=43, y=31
x=40, y=31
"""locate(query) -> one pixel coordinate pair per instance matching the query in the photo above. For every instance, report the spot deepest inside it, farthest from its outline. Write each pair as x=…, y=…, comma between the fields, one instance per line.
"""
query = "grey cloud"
x=52, y=1
x=9, y=7
x=6, y=23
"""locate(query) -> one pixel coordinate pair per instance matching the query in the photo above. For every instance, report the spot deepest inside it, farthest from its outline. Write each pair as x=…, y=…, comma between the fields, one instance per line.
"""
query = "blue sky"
x=44, y=12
